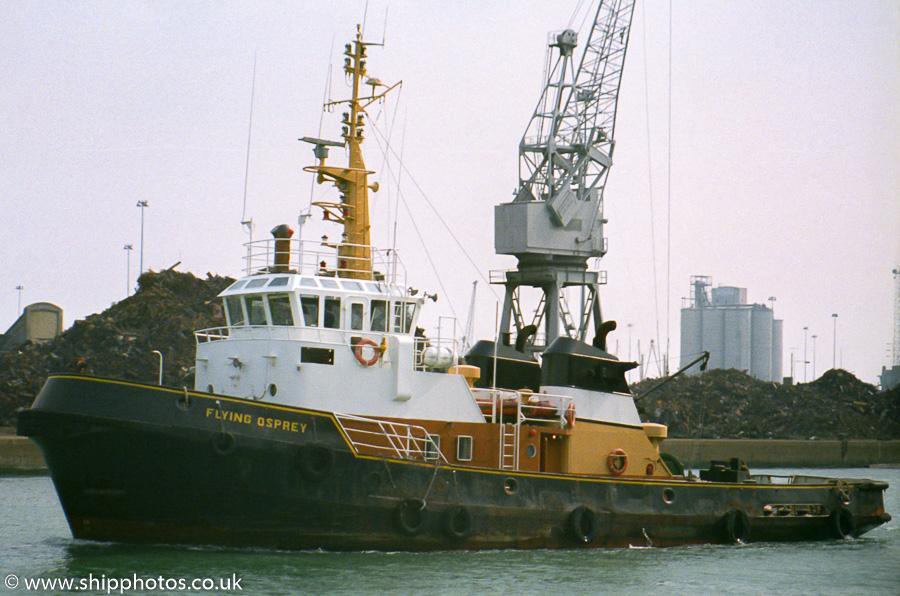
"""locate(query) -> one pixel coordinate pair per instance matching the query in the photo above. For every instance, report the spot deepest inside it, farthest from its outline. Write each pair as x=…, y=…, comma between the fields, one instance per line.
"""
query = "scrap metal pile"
x=730, y=404
x=119, y=342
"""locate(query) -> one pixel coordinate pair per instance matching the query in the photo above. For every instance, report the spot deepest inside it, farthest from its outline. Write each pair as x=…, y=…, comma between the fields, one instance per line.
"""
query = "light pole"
x=793, y=360
x=142, y=205
x=805, y=359
x=128, y=248
x=834, y=342
x=19, y=290
x=814, y=356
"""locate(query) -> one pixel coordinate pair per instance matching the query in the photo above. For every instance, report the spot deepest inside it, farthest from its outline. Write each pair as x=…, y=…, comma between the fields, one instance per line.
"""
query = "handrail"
x=321, y=258
x=527, y=407
x=212, y=334
x=394, y=439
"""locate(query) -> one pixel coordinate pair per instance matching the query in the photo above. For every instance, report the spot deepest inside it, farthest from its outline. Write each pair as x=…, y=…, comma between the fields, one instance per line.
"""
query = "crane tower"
x=555, y=222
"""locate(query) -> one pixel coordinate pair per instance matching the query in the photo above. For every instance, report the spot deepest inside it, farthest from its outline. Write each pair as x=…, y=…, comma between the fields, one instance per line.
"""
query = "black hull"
x=140, y=463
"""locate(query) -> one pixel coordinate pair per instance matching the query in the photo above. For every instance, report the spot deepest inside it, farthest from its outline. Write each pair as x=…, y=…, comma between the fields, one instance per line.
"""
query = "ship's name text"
x=260, y=421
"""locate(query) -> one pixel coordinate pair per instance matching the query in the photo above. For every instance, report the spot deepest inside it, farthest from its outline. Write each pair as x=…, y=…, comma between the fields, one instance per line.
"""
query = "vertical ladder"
x=509, y=446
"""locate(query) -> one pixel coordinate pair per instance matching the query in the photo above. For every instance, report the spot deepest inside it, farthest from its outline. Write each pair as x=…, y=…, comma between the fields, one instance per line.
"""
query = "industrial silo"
x=762, y=330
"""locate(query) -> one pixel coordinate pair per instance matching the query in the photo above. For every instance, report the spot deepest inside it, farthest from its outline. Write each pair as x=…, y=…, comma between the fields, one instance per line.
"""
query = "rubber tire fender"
x=737, y=527
x=842, y=523
x=315, y=460
x=582, y=525
x=223, y=443
x=410, y=516
x=457, y=523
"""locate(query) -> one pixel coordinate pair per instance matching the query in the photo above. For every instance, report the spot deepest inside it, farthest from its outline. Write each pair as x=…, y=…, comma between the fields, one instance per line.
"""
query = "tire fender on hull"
x=315, y=461
x=842, y=523
x=223, y=443
x=410, y=516
x=457, y=523
x=737, y=527
x=582, y=525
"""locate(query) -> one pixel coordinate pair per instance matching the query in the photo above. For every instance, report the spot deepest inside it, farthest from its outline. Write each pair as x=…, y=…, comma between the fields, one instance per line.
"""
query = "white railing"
x=369, y=436
x=438, y=353
x=524, y=406
x=321, y=258
x=214, y=334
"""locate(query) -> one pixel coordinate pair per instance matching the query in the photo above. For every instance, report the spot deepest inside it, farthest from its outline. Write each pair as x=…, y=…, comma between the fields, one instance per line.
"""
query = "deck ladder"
x=509, y=446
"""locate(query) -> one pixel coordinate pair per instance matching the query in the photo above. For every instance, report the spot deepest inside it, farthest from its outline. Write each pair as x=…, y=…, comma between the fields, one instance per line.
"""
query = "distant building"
x=39, y=322
x=890, y=377
x=736, y=334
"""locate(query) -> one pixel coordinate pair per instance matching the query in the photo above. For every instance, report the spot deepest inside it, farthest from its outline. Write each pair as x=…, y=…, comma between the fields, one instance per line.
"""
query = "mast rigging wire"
x=401, y=198
x=441, y=219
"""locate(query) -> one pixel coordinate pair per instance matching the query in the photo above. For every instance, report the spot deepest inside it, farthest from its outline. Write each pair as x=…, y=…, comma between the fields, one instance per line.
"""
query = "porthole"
x=273, y=389
x=530, y=450
x=668, y=496
x=510, y=486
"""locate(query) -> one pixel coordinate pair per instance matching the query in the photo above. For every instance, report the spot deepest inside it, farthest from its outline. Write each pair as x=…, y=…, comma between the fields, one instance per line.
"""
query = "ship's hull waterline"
x=141, y=463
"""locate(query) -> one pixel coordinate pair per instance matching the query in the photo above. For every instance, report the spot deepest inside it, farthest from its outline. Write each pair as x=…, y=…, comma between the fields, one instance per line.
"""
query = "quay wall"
x=778, y=453
x=19, y=455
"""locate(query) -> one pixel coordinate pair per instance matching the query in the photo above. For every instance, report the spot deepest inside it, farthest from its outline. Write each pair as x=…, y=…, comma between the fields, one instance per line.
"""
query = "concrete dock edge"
x=19, y=455
x=786, y=453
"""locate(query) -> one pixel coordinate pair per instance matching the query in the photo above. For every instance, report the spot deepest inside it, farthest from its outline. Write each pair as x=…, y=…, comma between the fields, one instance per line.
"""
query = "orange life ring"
x=358, y=351
x=617, y=461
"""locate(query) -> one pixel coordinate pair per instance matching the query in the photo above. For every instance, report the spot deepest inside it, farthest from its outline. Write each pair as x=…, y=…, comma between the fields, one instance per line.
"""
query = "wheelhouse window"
x=235, y=310
x=280, y=309
x=404, y=313
x=256, y=310
x=332, y=312
x=379, y=315
x=464, y=448
x=310, y=307
x=356, y=316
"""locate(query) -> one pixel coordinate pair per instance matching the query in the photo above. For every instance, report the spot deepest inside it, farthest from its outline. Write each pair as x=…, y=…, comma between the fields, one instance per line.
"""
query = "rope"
x=437, y=213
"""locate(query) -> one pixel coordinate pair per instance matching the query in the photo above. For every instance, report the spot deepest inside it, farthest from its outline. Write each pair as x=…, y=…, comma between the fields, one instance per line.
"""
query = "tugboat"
x=322, y=419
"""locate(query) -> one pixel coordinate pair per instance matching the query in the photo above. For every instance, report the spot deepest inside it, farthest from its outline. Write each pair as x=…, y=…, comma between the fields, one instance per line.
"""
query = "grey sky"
x=785, y=149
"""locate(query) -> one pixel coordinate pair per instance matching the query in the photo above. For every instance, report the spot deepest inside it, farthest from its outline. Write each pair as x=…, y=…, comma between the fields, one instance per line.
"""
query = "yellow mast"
x=354, y=250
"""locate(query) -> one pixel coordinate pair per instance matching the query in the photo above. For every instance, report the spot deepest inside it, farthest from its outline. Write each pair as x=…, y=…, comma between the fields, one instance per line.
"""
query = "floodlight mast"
x=555, y=223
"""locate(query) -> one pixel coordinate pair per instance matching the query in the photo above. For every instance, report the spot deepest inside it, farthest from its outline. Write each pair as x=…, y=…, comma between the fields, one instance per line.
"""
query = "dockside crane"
x=555, y=222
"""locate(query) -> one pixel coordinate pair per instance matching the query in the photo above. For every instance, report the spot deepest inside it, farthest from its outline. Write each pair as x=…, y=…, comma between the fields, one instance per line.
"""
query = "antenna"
x=326, y=101
x=248, y=223
x=365, y=14
x=244, y=219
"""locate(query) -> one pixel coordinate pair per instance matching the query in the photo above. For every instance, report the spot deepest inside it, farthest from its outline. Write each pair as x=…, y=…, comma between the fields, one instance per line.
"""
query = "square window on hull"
x=464, y=448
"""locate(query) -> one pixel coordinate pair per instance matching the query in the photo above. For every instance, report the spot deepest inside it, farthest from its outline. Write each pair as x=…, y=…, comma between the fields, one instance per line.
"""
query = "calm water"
x=35, y=542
